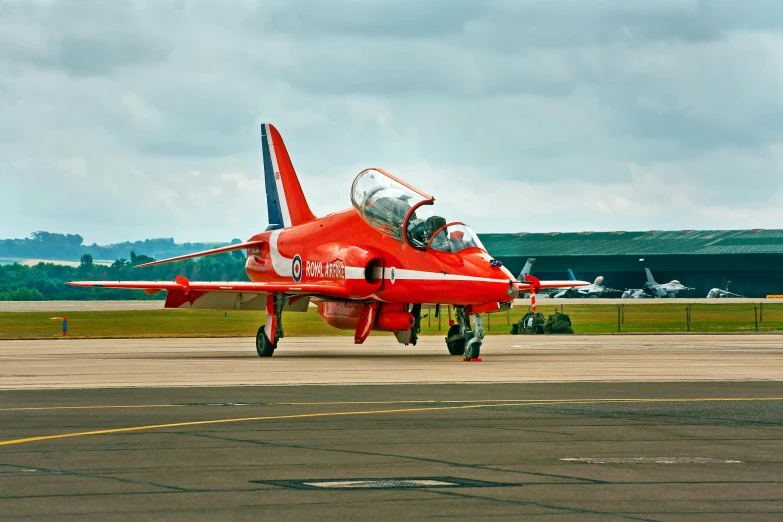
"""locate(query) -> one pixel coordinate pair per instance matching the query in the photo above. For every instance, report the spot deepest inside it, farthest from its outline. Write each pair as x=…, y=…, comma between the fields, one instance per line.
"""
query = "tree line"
x=52, y=245
x=46, y=281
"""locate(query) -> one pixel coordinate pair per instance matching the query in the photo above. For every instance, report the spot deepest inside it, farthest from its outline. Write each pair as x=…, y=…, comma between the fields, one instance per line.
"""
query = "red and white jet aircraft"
x=370, y=267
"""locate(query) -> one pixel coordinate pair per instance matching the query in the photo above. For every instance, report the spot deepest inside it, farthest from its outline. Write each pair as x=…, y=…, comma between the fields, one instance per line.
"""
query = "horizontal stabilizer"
x=221, y=250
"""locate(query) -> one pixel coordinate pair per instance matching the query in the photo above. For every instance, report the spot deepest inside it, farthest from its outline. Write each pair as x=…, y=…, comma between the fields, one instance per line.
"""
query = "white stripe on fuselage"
x=401, y=274
x=278, y=181
x=283, y=267
x=280, y=264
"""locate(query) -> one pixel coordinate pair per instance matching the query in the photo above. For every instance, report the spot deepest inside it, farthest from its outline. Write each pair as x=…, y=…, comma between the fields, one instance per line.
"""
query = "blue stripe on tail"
x=272, y=198
x=571, y=276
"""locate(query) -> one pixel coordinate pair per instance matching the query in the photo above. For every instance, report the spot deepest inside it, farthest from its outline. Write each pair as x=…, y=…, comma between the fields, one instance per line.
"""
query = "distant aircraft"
x=527, y=269
x=670, y=289
x=593, y=290
x=717, y=293
x=368, y=268
x=552, y=286
x=636, y=293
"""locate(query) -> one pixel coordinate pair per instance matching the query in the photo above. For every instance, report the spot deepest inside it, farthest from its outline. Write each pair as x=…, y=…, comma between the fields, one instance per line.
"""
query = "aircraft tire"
x=473, y=351
x=455, y=347
x=264, y=346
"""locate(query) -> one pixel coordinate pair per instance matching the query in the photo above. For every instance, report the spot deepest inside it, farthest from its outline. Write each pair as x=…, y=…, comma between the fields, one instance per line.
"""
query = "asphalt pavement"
x=559, y=451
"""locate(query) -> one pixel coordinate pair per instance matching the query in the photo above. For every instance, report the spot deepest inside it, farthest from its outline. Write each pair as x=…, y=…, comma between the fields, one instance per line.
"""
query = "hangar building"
x=751, y=259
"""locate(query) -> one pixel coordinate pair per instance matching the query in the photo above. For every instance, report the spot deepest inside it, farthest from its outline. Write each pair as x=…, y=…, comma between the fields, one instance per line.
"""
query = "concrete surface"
x=156, y=429
x=672, y=451
x=78, y=306
x=106, y=363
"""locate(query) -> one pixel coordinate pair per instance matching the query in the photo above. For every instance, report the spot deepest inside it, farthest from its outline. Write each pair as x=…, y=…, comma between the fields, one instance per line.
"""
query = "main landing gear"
x=461, y=340
x=264, y=347
x=271, y=332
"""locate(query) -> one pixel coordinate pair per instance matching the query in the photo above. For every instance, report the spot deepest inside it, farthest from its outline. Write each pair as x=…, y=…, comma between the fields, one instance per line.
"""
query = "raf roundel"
x=296, y=268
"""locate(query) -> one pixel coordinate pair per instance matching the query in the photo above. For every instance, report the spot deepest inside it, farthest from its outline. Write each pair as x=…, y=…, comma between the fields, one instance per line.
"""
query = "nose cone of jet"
x=496, y=281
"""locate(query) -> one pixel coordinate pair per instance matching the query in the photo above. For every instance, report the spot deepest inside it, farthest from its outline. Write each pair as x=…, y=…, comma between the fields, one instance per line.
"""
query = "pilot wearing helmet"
x=457, y=240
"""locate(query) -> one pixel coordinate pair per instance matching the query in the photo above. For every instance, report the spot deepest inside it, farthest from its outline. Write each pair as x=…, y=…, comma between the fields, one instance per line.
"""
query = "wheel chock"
x=477, y=359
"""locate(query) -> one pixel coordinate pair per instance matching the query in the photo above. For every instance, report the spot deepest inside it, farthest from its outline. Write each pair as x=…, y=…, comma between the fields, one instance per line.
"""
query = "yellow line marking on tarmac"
x=537, y=401
x=369, y=412
x=348, y=403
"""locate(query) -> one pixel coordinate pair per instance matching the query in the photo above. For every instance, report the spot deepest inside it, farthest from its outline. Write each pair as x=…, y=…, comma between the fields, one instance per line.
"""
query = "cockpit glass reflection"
x=455, y=238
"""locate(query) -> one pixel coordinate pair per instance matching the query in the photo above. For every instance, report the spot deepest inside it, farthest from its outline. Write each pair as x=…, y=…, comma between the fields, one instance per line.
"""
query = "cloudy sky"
x=127, y=119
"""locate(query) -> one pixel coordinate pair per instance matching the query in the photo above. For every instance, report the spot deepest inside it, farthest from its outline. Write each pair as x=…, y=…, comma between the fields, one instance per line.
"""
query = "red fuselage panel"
x=342, y=249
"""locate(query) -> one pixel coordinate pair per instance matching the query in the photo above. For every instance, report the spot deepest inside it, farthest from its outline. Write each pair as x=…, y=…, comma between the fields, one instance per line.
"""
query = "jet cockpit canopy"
x=389, y=205
x=384, y=202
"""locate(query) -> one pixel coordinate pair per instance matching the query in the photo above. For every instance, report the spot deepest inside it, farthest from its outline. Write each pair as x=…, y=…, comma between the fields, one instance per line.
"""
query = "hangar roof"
x=653, y=242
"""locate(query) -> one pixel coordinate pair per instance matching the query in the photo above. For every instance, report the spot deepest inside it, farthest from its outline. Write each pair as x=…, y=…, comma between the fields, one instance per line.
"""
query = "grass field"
x=586, y=318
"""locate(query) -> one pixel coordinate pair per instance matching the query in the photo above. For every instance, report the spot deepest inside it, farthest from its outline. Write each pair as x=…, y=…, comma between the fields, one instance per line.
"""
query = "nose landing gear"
x=473, y=348
x=461, y=340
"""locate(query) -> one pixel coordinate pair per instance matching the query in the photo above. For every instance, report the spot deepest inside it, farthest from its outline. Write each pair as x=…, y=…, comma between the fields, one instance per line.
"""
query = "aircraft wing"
x=237, y=295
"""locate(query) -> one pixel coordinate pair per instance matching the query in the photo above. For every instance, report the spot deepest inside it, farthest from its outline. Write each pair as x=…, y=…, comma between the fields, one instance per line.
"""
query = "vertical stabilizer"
x=527, y=268
x=650, y=278
x=285, y=201
x=571, y=276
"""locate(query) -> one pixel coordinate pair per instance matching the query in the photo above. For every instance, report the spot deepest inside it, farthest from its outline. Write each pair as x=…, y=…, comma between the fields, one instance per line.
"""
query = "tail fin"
x=598, y=280
x=571, y=276
x=527, y=269
x=285, y=201
x=650, y=278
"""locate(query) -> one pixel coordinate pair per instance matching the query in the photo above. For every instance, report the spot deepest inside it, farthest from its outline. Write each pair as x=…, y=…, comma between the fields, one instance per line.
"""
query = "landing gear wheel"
x=472, y=350
x=456, y=347
x=264, y=346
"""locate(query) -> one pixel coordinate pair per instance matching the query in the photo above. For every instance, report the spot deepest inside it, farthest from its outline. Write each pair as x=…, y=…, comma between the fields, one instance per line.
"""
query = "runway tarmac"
x=78, y=306
x=106, y=363
x=628, y=428
x=585, y=451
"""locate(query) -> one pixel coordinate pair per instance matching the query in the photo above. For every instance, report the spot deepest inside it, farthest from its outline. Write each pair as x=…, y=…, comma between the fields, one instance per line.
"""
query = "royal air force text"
x=324, y=270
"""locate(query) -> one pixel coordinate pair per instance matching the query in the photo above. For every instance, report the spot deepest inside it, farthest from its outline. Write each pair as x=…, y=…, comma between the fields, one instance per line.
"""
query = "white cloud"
x=138, y=119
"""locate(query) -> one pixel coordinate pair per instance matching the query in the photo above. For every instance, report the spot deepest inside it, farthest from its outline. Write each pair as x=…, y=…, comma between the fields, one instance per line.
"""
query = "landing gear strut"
x=473, y=347
x=269, y=334
x=416, y=328
x=461, y=340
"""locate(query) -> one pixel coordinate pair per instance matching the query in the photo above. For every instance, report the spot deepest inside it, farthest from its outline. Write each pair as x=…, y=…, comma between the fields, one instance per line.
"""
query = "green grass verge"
x=587, y=319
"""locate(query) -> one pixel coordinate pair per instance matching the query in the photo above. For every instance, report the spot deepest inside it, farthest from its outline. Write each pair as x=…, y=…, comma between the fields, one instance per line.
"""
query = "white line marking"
x=650, y=460
x=383, y=483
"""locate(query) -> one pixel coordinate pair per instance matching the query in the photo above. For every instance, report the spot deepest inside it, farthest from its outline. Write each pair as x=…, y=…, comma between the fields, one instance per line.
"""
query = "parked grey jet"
x=636, y=293
x=553, y=288
x=717, y=293
x=670, y=289
x=597, y=289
